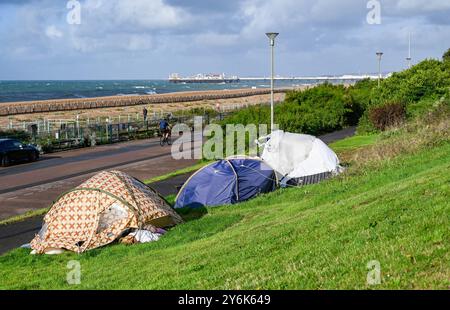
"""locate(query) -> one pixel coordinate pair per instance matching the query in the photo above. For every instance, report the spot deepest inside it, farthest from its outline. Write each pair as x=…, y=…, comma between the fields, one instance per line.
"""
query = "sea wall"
x=28, y=107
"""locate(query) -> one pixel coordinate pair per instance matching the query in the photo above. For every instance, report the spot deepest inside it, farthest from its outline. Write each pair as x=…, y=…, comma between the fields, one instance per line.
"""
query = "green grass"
x=177, y=172
x=354, y=142
x=171, y=199
x=315, y=237
x=25, y=216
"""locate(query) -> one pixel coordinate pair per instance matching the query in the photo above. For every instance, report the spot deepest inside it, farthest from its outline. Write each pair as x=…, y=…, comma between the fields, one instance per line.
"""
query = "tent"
x=299, y=159
x=99, y=211
x=227, y=181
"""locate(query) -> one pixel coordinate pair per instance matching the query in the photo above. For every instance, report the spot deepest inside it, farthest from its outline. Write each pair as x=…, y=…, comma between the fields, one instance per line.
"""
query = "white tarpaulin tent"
x=299, y=159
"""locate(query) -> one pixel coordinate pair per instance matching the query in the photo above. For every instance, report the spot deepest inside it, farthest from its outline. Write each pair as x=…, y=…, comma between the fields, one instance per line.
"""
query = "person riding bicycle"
x=164, y=128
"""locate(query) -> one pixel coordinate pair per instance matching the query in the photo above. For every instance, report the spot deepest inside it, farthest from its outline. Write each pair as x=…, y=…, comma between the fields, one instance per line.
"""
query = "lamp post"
x=271, y=36
x=379, y=54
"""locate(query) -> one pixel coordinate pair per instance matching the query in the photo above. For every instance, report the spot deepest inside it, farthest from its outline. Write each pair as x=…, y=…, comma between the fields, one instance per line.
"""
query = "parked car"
x=14, y=151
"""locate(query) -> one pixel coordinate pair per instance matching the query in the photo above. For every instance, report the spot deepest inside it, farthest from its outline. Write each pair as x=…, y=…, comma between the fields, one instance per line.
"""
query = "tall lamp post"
x=271, y=36
x=379, y=54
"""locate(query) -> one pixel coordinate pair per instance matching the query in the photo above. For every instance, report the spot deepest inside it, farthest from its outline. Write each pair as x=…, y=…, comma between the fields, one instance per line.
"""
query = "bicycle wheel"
x=161, y=140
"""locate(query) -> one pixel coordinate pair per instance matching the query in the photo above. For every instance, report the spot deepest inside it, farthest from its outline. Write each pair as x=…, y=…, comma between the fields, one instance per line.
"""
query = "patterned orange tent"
x=99, y=211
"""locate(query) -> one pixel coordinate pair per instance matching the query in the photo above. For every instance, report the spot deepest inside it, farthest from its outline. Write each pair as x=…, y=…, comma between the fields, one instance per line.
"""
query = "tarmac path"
x=34, y=186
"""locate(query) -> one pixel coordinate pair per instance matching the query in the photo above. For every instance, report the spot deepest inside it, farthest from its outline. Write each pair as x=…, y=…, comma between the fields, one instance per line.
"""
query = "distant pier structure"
x=204, y=78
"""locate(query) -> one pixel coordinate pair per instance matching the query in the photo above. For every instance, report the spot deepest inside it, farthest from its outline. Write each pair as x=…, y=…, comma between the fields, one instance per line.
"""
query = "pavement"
x=34, y=186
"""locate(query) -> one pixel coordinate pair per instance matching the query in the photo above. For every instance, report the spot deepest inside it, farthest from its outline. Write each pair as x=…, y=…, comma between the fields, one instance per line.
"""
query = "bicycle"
x=165, y=137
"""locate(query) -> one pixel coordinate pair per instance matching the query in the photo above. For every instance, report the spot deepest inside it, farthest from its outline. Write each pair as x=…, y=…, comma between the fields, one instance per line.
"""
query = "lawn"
x=354, y=142
x=315, y=237
x=182, y=171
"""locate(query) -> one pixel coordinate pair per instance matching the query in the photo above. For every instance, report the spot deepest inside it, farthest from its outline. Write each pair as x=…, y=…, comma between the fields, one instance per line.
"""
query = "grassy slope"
x=177, y=172
x=354, y=142
x=317, y=237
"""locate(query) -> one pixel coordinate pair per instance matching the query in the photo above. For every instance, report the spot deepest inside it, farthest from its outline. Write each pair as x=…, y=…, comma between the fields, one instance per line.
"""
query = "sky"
x=149, y=39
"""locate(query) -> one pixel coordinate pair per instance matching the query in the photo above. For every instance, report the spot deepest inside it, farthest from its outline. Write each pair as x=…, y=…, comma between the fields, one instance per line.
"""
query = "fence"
x=55, y=135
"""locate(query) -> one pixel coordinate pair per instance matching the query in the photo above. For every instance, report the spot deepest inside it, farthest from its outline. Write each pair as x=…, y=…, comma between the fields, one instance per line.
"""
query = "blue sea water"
x=13, y=91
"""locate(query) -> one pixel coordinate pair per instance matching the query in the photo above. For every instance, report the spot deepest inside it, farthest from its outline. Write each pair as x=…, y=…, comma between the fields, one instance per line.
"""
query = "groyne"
x=58, y=105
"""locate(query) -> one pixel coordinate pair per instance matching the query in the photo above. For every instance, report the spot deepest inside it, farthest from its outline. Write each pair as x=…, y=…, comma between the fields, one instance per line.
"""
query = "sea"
x=13, y=91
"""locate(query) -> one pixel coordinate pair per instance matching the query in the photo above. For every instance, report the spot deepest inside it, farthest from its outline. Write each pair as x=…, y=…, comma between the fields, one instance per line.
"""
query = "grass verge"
x=176, y=173
x=390, y=207
x=316, y=237
x=23, y=217
x=355, y=142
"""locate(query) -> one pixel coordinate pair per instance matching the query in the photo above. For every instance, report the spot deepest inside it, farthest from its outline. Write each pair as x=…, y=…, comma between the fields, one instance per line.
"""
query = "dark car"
x=14, y=151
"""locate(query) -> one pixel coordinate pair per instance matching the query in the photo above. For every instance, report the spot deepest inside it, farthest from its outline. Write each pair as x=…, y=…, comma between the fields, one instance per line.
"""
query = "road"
x=34, y=186
x=142, y=159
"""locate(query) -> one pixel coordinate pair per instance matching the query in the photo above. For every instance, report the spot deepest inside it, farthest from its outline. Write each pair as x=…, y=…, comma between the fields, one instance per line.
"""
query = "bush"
x=359, y=99
x=446, y=56
x=426, y=131
x=417, y=109
x=420, y=88
x=327, y=107
x=429, y=79
x=365, y=126
x=313, y=111
x=389, y=115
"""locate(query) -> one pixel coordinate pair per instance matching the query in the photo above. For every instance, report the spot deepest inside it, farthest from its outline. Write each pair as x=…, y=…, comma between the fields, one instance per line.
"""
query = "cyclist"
x=164, y=128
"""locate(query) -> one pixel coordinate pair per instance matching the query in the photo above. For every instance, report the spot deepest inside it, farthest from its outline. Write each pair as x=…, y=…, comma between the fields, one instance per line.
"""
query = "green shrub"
x=330, y=107
x=446, y=56
x=417, y=109
x=365, y=126
x=429, y=79
x=313, y=111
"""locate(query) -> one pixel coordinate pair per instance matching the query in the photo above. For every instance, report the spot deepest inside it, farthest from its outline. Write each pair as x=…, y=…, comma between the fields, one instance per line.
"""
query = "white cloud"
x=216, y=39
x=153, y=14
x=136, y=15
x=424, y=5
x=118, y=25
x=52, y=32
x=194, y=34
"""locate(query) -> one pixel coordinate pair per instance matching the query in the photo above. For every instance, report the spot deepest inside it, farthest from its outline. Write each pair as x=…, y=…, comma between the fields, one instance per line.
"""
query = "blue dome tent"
x=227, y=181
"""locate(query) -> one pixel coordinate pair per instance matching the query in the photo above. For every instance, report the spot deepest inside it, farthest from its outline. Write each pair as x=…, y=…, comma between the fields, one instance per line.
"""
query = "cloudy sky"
x=144, y=39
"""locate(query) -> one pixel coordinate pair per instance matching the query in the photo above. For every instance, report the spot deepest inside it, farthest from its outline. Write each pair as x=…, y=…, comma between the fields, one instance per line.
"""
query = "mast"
x=408, y=59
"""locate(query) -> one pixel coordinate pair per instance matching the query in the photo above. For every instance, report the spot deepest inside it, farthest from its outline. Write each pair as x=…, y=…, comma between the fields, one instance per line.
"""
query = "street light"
x=271, y=36
x=379, y=54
